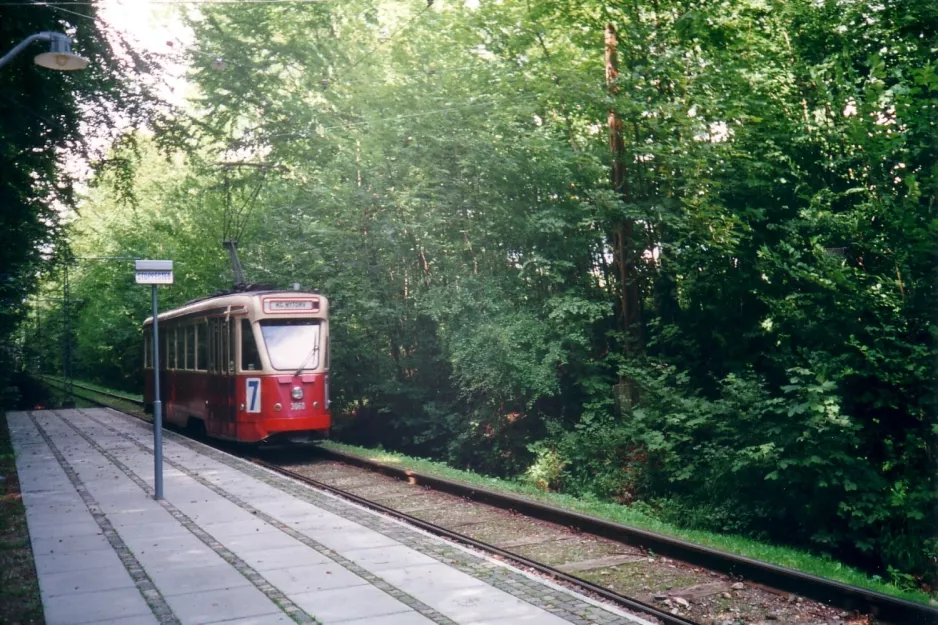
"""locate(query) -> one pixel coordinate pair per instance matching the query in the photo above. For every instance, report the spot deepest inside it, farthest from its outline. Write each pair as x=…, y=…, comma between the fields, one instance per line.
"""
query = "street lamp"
x=59, y=56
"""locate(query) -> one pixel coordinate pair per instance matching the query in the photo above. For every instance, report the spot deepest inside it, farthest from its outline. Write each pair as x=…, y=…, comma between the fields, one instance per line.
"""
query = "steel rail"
x=845, y=596
x=138, y=402
x=634, y=604
x=830, y=592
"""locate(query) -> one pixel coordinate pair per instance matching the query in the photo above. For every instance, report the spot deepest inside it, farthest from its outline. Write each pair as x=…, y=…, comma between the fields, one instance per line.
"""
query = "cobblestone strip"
x=371, y=578
x=291, y=609
x=151, y=595
x=558, y=602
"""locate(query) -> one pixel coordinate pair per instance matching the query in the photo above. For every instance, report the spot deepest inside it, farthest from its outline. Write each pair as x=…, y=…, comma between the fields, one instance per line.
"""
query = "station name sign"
x=154, y=272
x=291, y=305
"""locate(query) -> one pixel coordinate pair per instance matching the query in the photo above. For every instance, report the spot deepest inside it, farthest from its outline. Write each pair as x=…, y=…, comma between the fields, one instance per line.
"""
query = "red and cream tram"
x=247, y=366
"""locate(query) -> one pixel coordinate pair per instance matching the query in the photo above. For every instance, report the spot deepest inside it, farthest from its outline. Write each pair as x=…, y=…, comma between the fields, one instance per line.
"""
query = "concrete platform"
x=234, y=543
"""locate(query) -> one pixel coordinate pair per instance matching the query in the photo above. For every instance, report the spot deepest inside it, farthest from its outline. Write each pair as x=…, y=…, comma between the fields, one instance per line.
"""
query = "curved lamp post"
x=59, y=56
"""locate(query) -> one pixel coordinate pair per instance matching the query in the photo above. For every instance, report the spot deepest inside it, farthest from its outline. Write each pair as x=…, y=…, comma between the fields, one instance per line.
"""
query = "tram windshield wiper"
x=313, y=351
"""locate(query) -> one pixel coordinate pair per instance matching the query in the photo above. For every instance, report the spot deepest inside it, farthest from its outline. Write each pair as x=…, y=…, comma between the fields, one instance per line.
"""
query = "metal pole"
x=44, y=36
x=157, y=406
x=39, y=336
x=68, y=343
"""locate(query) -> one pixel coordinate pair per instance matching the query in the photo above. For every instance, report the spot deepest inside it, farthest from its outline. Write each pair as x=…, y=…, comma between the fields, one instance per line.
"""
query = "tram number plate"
x=298, y=405
x=253, y=394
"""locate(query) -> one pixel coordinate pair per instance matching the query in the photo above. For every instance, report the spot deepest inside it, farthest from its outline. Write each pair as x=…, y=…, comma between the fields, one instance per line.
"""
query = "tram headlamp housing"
x=297, y=393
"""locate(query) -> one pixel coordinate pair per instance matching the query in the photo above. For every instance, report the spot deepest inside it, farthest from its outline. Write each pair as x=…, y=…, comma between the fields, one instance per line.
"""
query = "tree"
x=442, y=174
x=45, y=119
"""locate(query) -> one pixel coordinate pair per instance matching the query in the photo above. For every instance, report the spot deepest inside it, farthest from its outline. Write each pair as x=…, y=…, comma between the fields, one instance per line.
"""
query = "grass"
x=95, y=387
x=20, y=603
x=783, y=556
x=82, y=396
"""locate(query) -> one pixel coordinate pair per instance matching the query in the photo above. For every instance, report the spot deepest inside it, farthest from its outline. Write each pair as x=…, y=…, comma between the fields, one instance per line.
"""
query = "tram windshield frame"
x=291, y=341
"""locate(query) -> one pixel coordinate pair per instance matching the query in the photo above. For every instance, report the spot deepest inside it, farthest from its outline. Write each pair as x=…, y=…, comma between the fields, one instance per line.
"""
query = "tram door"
x=222, y=410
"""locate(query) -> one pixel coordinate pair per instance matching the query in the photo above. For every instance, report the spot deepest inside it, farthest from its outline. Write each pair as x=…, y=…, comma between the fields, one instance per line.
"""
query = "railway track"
x=713, y=572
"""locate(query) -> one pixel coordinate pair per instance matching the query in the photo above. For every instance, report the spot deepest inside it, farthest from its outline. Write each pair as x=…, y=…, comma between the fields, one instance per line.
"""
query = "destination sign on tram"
x=283, y=306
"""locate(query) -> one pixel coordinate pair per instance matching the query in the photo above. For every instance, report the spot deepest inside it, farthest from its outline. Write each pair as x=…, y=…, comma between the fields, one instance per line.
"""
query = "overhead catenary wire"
x=37, y=3
x=235, y=221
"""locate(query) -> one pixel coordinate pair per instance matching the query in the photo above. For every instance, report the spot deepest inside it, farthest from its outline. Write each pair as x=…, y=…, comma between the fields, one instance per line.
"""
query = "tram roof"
x=231, y=298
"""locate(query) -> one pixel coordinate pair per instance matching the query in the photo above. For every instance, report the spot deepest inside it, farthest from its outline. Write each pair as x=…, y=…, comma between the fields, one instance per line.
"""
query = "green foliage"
x=442, y=174
x=50, y=123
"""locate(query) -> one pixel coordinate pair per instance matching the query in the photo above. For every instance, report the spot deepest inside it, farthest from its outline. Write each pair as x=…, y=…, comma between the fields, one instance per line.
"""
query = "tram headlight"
x=297, y=393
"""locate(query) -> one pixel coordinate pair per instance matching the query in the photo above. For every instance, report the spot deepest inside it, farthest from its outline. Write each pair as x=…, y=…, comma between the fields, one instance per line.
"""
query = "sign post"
x=154, y=272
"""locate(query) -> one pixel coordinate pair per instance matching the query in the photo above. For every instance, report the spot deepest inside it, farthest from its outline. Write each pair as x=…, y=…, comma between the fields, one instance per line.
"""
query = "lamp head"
x=60, y=55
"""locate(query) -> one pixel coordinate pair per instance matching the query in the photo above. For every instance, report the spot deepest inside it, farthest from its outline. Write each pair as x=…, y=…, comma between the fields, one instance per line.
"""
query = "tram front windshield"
x=292, y=343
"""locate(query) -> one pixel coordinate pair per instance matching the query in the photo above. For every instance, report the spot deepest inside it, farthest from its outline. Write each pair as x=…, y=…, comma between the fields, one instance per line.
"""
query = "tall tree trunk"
x=622, y=236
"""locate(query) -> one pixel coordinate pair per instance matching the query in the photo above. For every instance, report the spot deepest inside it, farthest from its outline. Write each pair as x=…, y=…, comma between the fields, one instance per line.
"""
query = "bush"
x=788, y=465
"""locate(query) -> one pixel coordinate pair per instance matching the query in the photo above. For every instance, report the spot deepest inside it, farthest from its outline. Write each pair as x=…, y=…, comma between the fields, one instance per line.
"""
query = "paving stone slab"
x=313, y=578
x=245, y=525
x=134, y=620
x=379, y=559
x=95, y=607
x=477, y=603
x=131, y=508
x=138, y=515
x=205, y=512
x=56, y=562
x=267, y=619
x=60, y=529
x=281, y=558
x=221, y=605
x=166, y=557
x=347, y=604
x=158, y=530
x=349, y=539
x=44, y=477
x=531, y=619
x=290, y=509
x=430, y=579
x=59, y=496
x=316, y=522
x=44, y=546
x=261, y=541
x=64, y=510
x=177, y=580
x=402, y=618
x=87, y=580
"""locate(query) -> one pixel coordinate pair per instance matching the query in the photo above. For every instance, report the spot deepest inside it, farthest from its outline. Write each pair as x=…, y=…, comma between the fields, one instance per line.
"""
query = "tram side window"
x=171, y=352
x=181, y=348
x=201, y=339
x=212, y=342
x=190, y=347
x=147, y=348
x=221, y=348
x=250, y=358
x=227, y=359
x=164, y=351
